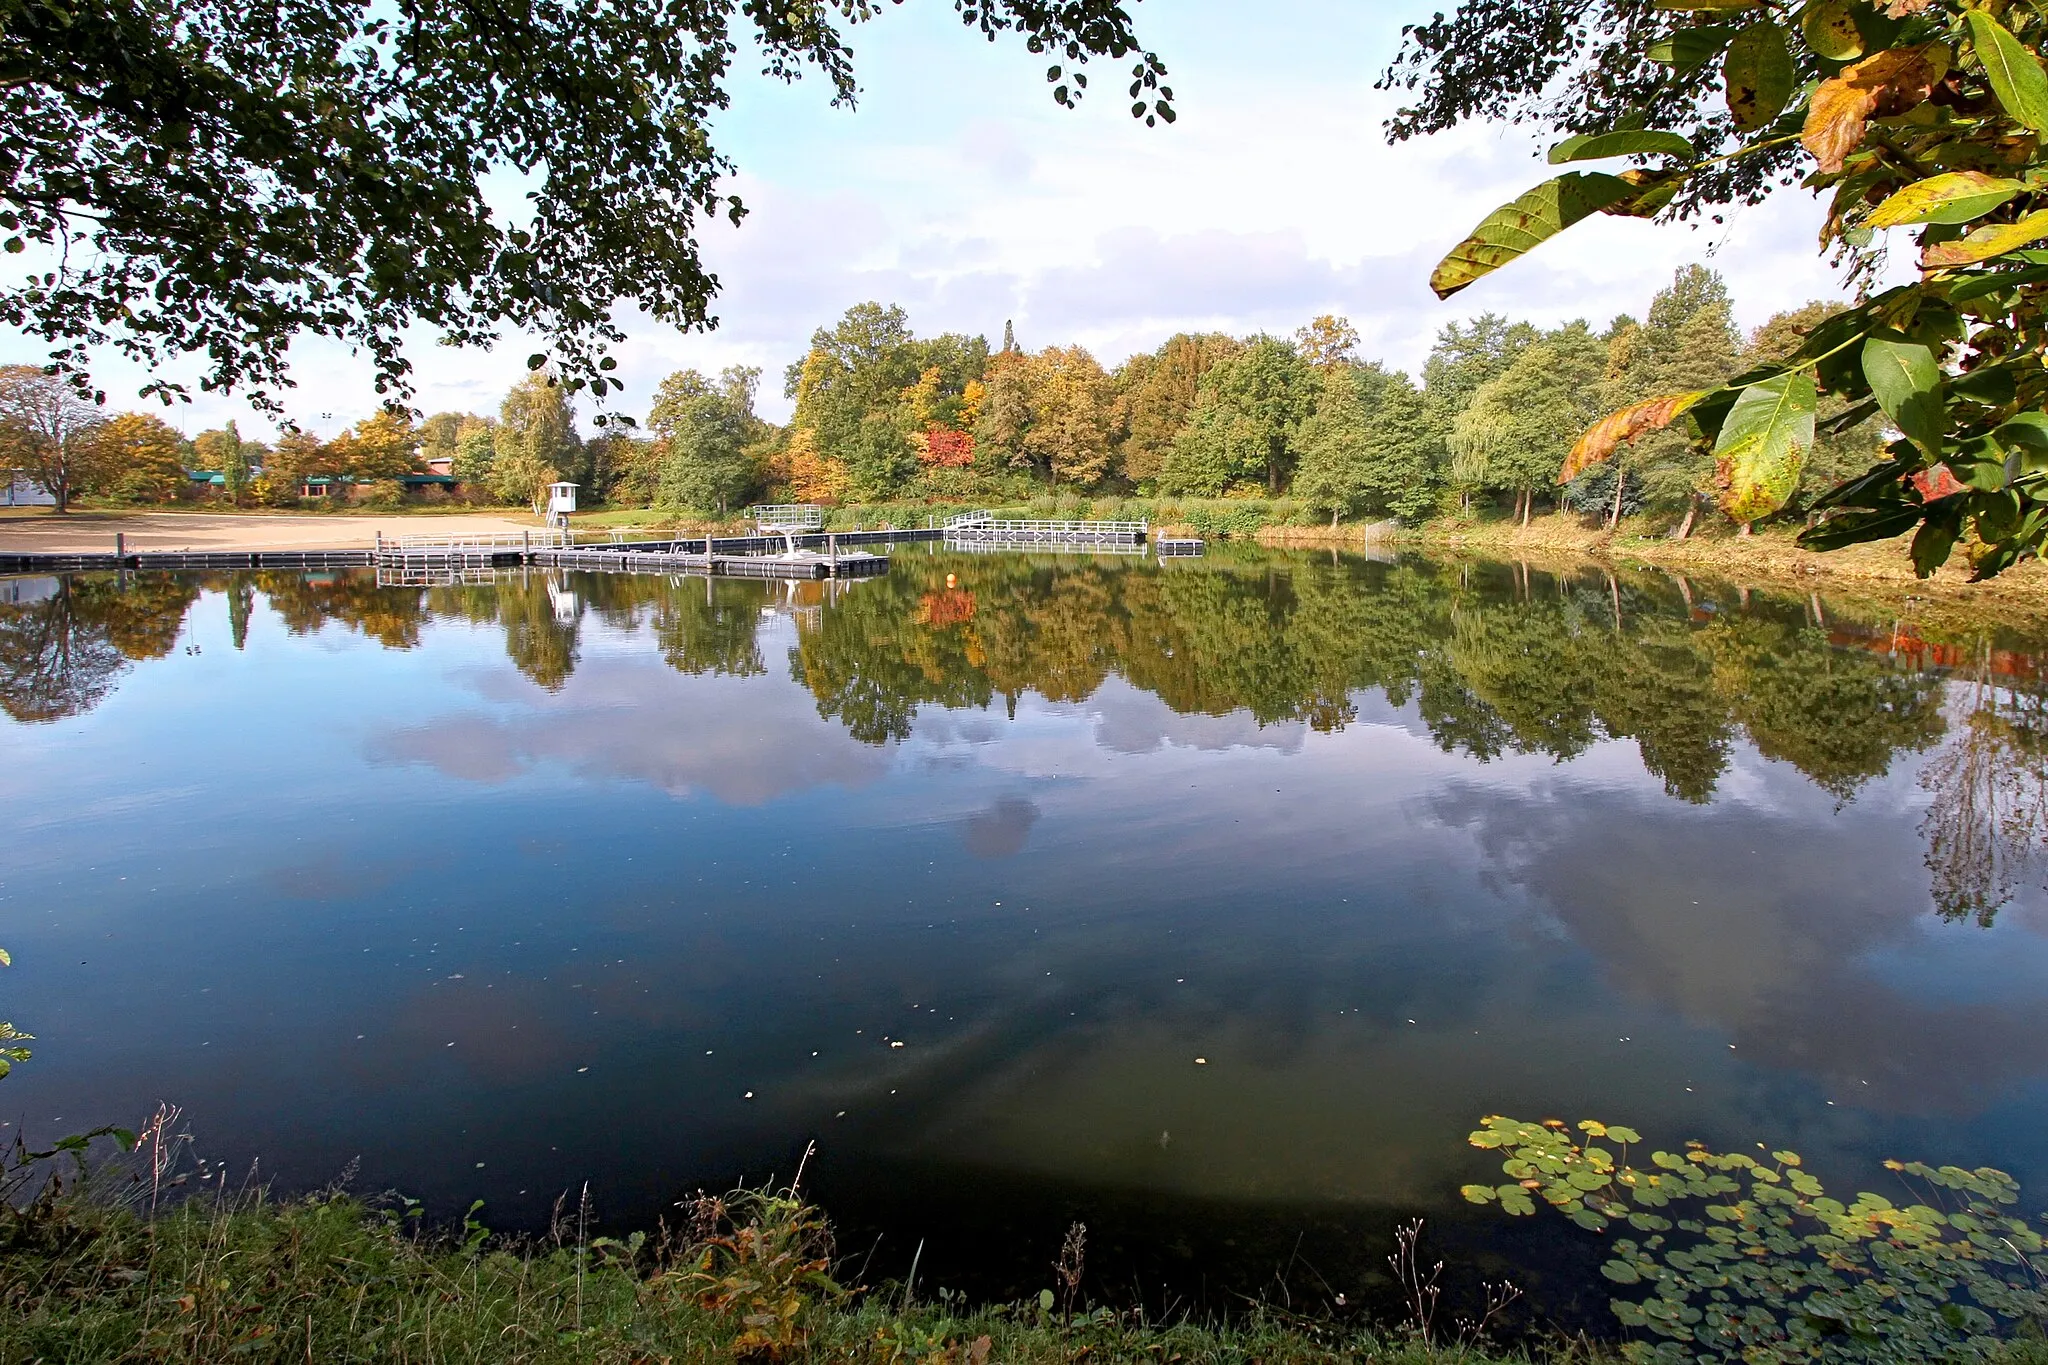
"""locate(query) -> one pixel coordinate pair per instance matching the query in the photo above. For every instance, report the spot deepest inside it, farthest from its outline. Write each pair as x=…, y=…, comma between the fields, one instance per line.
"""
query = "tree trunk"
x=1692, y=508
x=1614, y=512
x=1334, y=514
x=1745, y=529
x=1528, y=496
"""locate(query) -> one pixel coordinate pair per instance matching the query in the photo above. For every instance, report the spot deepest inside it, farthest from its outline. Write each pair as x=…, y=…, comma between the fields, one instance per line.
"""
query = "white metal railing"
x=960, y=519
x=788, y=516
x=480, y=542
x=970, y=543
x=1050, y=530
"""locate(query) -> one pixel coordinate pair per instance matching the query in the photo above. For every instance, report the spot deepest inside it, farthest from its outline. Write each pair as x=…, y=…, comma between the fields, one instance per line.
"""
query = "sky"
x=959, y=190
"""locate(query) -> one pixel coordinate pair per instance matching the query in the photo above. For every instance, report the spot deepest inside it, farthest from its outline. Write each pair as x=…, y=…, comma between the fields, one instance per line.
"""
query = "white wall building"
x=17, y=489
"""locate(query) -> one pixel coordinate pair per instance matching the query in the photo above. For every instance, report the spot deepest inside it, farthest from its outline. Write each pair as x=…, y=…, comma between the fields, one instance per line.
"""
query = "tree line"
x=881, y=414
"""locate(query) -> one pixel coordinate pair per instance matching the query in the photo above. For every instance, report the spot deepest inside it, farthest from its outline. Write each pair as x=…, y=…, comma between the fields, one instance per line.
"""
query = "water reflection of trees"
x=61, y=651
x=1494, y=661
x=1987, y=824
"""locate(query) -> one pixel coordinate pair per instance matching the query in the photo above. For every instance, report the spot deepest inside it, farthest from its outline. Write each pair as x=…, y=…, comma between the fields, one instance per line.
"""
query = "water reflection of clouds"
x=1766, y=923
x=616, y=719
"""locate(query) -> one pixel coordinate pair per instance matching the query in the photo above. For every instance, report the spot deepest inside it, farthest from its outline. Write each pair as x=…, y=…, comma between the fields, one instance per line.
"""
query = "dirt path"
x=79, y=532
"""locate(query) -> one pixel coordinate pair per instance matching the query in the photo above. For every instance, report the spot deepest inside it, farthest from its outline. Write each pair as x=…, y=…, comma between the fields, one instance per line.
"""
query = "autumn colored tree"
x=141, y=459
x=1328, y=341
x=47, y=432
x=1006, y=411
x=380, y=447
x=1155, y=395
x=1921, y=115
x=1069, y=433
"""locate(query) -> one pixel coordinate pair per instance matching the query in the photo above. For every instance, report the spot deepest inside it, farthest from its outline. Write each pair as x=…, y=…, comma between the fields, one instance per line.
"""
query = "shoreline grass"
x=331, y=1278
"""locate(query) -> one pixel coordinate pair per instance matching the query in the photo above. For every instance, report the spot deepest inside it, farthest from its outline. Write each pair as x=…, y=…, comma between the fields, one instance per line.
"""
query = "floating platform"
x=802, y=565
x=188, y=559
x=979, y=531
x=1177, y=548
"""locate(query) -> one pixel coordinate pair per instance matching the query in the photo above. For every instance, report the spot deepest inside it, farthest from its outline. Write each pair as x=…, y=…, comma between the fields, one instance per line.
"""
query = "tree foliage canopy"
x=1921, y=116
x=207, y=179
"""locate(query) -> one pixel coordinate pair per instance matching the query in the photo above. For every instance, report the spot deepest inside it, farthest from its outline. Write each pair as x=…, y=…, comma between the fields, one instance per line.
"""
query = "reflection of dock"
x=741, y=557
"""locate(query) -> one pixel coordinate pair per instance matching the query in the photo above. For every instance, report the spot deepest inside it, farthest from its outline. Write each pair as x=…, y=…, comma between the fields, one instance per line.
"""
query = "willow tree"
x=1918, y=117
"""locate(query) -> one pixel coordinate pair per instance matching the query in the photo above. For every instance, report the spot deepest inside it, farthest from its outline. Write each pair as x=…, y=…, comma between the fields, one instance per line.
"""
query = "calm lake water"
x=1211, y=903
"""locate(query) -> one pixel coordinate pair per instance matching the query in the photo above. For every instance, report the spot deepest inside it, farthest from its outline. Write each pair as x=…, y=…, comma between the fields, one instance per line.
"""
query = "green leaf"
x=1829, y=27
x=1624, y=1134
x=1477, y=1194
x=1691, y=48
x=2029, y=429
x=1594, y=146
x=1621, y=1272
x=2015, y=74
x=1513, y=230
x=1956, y=197
x=1718, y=6
x=1931, y=546
x=1906, y=381
x=1762, y=446
x=1759, y=75
x=1977, y=286
x=5, y=960
x=1515, y=1201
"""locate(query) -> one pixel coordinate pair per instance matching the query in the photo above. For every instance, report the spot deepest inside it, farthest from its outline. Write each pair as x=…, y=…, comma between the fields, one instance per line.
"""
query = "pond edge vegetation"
x=146, y=1253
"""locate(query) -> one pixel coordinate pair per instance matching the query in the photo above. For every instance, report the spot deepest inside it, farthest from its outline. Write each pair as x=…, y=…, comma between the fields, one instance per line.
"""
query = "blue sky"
x=958, y=189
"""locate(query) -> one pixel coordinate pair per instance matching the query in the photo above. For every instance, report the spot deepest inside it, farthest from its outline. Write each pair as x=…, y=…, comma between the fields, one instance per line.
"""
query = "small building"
x=17, y=489
x=561, y=502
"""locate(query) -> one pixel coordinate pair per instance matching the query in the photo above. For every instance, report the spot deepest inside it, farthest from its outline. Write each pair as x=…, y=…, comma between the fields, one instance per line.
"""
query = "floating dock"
x=789, y=550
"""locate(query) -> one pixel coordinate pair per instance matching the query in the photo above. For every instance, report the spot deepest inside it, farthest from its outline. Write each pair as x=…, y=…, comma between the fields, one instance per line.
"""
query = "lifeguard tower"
x=561, y=502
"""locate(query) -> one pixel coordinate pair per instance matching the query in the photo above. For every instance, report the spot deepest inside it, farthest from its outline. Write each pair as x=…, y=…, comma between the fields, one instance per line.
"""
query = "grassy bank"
x=332, y=1279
